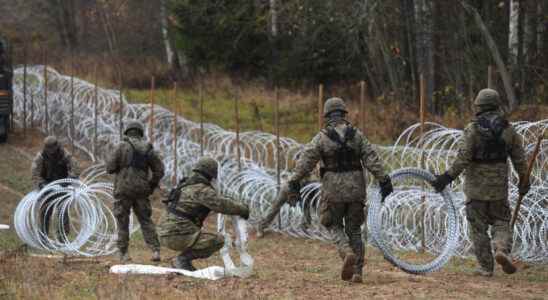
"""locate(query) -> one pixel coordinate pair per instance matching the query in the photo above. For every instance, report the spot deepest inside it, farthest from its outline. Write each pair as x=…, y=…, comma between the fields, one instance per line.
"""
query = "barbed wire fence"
x=99, y=113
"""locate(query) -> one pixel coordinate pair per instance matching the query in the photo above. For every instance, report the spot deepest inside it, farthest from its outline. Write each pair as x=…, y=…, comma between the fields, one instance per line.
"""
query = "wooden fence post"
x=422, y=162
x=277, y=158
x=151, y=127
x=201, y=95
x=95, y=112
x=490, y=76
x=25, y=92
x=237, y=116
x=362, y=105
x=46, y=113
x=72, y=129
x=320, y=106
x=175, y=112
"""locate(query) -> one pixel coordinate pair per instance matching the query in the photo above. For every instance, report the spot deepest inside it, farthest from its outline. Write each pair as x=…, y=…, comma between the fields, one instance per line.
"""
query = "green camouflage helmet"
x=487, y=99
x=51, y=145
x=135, y=124
x=334, y=104
x=206, y=166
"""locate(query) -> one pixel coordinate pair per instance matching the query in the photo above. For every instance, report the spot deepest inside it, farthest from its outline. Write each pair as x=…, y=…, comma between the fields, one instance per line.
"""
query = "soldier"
x=51, y=164
x=193, y=200
x=138, y=170
x=487, y=143
x=343, y=151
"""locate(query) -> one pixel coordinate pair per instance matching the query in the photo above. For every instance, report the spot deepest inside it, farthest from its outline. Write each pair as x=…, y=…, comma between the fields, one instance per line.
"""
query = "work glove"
x=386, y=188
x=524, y=189
x=245, y=214
x=441, y=182
x=294, y=193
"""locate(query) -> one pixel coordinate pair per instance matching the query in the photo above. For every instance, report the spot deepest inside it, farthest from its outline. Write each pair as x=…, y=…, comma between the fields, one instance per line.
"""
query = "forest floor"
x=285, y=267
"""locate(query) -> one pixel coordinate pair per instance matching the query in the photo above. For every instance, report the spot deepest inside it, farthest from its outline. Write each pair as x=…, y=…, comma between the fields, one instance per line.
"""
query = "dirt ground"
x=285, y=267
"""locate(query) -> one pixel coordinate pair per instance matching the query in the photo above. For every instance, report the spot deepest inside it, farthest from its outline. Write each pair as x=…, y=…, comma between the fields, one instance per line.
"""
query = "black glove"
x=245, y=214
x=441, y=182
x=294, y=193
x=153, y=186
x=524, y=189
x=386, y=188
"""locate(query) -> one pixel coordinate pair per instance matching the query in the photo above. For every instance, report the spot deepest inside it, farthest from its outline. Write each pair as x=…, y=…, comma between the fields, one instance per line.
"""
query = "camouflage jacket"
x=487, y=180
x=47, y=169
x=137, y=167
x=347, y=186
x=197, y=200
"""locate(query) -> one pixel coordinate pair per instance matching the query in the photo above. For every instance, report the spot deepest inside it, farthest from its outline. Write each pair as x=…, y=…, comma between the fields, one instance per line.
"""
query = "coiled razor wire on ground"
x=446, y=211
x=255, y=182
x=87, y=202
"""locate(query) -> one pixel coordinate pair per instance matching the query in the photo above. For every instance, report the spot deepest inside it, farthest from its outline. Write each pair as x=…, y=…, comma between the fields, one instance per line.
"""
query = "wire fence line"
x=256, y=182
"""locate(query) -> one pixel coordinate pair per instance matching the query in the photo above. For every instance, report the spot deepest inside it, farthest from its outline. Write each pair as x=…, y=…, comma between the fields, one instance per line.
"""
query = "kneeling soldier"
x=181, y=226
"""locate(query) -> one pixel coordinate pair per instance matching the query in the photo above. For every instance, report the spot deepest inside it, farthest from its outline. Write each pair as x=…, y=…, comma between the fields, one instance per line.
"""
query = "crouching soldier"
x=487, y=143
x=343, y=152
x=51, y=164
x=138, y=169
x=181, y=226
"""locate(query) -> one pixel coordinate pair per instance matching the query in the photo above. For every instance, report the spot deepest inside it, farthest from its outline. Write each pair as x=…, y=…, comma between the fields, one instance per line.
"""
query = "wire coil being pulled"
x=451, y=225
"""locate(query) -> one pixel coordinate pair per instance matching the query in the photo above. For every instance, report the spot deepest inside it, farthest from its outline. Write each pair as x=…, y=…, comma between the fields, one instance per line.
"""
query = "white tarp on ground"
x=211, y=273
x=4, y=227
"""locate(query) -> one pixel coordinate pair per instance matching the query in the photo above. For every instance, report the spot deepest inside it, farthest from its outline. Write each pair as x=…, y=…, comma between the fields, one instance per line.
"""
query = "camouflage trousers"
x=481, y=215
x=143, y=211
x=344, y=221
x=205, y=246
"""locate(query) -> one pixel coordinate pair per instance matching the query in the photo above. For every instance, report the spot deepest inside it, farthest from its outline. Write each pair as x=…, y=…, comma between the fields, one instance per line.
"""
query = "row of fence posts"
x=177, y=111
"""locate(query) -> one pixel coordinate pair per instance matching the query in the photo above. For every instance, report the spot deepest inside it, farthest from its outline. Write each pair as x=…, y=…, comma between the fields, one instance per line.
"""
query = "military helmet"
x=51, y=145
x=487, y=99
x=332, y=105
x=135, y=124
x=206, y=166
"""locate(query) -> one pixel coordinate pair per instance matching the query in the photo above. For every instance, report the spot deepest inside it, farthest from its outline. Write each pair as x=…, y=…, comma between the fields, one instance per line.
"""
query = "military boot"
x=349, y=264
x=184, y=262
x=505, y=262
x=480, y=271
x=123, y=256
x=156, y=256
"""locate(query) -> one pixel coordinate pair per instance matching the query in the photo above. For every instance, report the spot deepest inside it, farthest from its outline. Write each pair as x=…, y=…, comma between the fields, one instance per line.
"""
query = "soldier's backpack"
x=346, y=157
x=492, y=147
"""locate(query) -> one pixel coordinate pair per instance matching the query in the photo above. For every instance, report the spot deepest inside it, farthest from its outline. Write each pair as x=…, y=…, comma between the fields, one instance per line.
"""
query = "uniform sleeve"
x=113, y=161
x=36, y=171
x=517, y=155
x=371, y=160
x=464, y=153
x=223, y=205
x=157, y=168
x=308, y=160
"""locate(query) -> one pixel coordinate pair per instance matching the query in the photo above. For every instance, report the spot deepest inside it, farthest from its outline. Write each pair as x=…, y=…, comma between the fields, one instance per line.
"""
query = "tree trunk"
x=165, y=32
x=425, y=45
x=513, y=35
x=506, y=78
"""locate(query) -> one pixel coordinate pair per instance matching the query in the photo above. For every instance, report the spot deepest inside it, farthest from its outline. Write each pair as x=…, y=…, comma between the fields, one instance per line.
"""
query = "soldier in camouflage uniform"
x=343, y=151
x=180, y=228
x=51, y=164
x=138, y=169
x=487, y=143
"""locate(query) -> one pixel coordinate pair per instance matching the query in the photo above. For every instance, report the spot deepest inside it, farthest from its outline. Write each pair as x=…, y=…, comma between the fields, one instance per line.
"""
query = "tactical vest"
x=54, y=168
x=139, y=160
x=492, y=147
x=198, y=213
x=346, y=158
